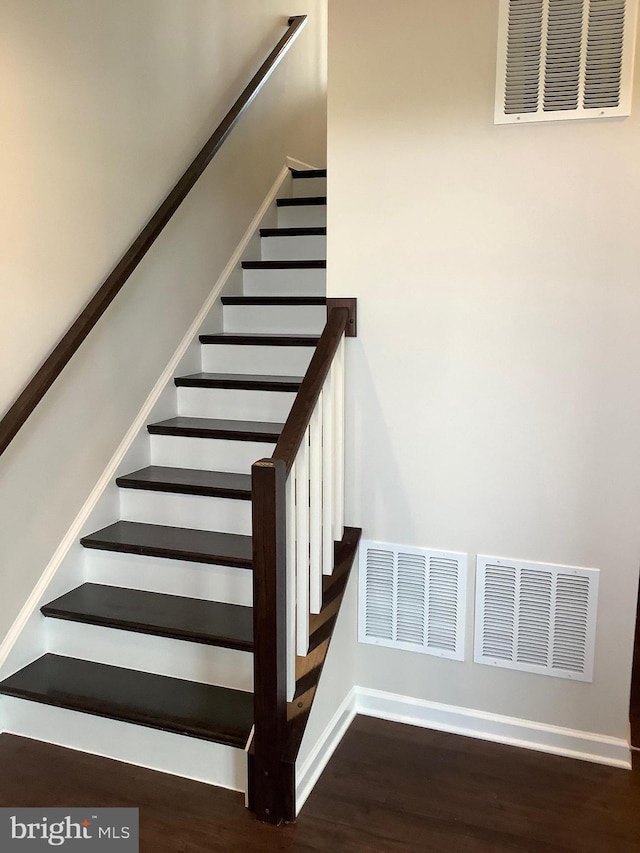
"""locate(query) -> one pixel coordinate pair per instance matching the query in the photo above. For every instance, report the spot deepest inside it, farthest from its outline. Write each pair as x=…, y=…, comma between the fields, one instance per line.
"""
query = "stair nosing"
x=225, y=433
x=302, y=231
x=239, y=339
x=164, y=552
x=121, y=624
x=286, y=264
x=275, y=300
x=218, y=641
x=309, y=174
x=318, y=201
x=240, y=382
x=130, y=481
x=98, y=710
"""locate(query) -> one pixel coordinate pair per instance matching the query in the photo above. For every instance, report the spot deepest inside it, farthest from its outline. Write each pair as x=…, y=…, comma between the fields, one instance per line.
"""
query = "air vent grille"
x=564, y=48
x=523, y=57
x=536, y=618
x=605, y=46
x=564, y=59
x=412, y=599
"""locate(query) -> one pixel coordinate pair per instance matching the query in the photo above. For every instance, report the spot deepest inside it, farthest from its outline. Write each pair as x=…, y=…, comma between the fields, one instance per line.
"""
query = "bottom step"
x=184, y=707
x=191, y=758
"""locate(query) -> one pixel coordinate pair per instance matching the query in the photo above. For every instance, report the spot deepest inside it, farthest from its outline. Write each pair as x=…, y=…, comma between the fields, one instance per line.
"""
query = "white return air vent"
x=412, y=599
x=564, y=59
x=536, y=618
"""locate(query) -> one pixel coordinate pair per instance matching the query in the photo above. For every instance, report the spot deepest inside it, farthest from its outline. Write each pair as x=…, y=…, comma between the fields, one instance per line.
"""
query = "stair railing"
x=68, y=345
x=298, y=514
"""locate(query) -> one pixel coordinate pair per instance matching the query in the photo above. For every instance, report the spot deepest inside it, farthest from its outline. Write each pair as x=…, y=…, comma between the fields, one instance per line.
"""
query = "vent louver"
x=412, y=599
x=564, y=59
x=536, y=618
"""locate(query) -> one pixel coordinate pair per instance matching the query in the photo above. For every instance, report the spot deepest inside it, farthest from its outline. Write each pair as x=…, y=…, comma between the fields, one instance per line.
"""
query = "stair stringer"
x=332, y=706
x=32, y=635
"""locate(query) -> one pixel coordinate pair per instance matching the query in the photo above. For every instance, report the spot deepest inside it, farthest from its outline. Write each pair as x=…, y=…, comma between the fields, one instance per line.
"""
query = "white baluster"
x=291, y=584
x=327, y=474
x=315, y=508
x=302, y=546
x=338, y=450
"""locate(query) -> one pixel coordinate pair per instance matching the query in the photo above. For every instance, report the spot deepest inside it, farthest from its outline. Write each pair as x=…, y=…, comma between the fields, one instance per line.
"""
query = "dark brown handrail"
x=51, y=368
x=300, y=415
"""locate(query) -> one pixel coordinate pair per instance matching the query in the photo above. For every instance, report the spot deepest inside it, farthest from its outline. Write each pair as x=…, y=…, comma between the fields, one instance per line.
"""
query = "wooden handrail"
x=271, y=785
x=51, y=368
x=300, y=415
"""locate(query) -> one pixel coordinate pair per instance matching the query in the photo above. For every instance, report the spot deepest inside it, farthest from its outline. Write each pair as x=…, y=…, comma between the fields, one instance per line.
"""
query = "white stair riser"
x=237, y=405
x=208, y=454
x=192, y=758
x=195, y=511
x=147, y=653
x=305, y=187
x=285, y=282
x=294, y=248
x=275, y=319
x=173, y=577
x=304, y=216
x=278, y=361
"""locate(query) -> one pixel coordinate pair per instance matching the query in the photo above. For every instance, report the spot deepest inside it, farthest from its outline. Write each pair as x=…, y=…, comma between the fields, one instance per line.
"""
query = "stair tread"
x=188, y=481
x=178, y=543
x=303, y=231
x=241, y=381
x=237, y=339
x=301, y=264
x=192, y=619
x=301, y=202
x=218, y=428
x=185, y=707
x=274, y=300
x=298, y=174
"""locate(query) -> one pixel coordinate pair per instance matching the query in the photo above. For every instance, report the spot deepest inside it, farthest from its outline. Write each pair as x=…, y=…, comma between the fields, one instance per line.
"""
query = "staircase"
x=160, y=636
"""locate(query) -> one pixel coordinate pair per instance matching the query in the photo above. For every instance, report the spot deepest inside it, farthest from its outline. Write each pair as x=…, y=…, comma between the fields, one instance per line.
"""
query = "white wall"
x=494, y=404
x=103, y=106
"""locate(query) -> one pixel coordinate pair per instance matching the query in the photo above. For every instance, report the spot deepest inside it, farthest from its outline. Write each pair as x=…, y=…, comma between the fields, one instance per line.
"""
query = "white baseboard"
x=513, y=731
x=74, y=532
x=526, y=734
x=310, y=772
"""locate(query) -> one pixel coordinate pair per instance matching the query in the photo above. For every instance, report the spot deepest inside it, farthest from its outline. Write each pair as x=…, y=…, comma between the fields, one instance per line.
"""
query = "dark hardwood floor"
x=389, y=787
x=634, y=710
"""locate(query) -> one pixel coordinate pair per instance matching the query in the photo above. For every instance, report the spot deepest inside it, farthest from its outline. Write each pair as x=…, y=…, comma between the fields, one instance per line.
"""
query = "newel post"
x=269, y=637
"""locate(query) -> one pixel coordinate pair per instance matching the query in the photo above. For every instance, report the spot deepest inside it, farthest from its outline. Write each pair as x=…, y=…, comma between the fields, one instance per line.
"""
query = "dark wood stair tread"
x=274, y=300
x=309, y=231
x=239, y=381
x=174, y=543
x=218, y=428
x=185, y=707
x=301, y=202
x=266, y=340
x=284, y=265
x=301, y=174
x=189, y=481
x=191, y=619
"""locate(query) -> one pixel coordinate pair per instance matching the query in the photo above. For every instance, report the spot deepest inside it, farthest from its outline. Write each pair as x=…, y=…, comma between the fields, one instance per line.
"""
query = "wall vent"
x=412, y=599
x=564, y=59
x=536, y=618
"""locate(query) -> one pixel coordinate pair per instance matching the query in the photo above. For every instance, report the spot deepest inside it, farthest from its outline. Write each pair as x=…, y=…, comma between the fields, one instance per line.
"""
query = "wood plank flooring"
x=388, y=789
x=634, y=710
